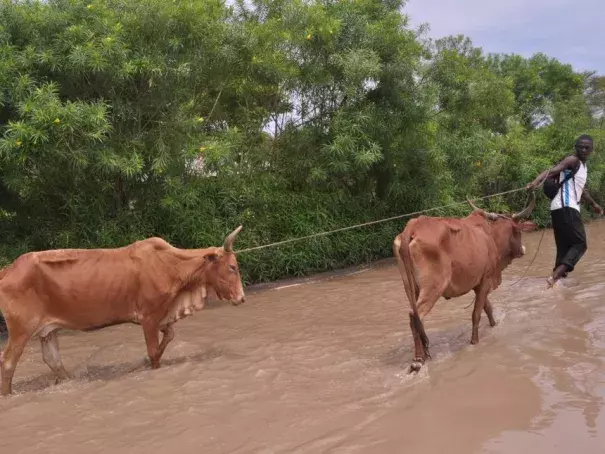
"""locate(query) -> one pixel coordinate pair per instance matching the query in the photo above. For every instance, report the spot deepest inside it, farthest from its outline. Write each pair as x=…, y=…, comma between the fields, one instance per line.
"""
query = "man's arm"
x=586, y=197
x=568, y=163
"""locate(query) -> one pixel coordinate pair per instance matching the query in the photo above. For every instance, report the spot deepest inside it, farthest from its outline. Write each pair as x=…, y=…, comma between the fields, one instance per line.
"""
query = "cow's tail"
x=401, y=250
x=3, y=328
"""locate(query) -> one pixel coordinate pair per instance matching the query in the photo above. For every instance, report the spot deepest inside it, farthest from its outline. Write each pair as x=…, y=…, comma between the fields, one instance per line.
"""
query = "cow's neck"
x=192, y=265
x=504, y=258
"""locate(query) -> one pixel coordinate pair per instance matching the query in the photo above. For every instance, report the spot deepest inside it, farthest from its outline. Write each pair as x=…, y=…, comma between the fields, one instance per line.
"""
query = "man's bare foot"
x=550, y=282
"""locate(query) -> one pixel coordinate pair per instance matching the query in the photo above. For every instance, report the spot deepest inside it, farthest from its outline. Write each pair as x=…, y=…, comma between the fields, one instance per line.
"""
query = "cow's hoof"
x=474, y=341
x=59, y=380
x=68, y=377
x=153, y=364
x=416, y=365
x=415, y=368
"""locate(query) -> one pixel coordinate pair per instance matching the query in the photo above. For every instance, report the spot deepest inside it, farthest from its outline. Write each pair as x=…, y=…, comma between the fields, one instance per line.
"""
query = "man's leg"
x=576, y=237
x=560, y=229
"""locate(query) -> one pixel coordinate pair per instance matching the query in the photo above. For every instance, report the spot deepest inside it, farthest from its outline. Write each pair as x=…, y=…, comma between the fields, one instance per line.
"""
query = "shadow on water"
x=443, y=344
x=110, y=372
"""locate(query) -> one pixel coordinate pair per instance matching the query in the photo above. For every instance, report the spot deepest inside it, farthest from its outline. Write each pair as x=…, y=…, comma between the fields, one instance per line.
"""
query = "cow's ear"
x=527, y=226
x=211, y=256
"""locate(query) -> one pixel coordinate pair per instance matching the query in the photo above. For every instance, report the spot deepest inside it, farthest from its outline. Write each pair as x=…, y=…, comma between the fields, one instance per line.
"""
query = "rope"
x=532, y=260
x=537, y=249
x=329, y=232
x=526, y=269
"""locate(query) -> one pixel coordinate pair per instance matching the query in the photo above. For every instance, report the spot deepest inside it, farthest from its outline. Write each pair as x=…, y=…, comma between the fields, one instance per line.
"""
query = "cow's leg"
x=152, y=340
x=167, y=336
x=52, y=358
x=489, y=312
x=432, y=278
x=480, y=304
x=426, y=300
x=17, y=340
x=418, y=347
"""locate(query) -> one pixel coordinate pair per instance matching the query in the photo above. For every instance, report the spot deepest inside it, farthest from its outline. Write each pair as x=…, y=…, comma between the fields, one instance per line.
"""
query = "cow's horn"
x=228, y=246
x=528, y=209
x=488, y=215
x=473, y=205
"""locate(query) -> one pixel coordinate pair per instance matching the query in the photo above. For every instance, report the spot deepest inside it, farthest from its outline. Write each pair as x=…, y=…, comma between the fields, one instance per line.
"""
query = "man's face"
x=583, y=149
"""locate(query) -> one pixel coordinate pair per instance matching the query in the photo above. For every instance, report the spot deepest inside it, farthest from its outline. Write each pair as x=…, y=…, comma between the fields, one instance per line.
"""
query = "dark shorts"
x=570, y=237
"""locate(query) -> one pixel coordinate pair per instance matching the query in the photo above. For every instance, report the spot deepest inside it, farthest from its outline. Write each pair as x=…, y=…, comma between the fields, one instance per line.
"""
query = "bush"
x=124, y=119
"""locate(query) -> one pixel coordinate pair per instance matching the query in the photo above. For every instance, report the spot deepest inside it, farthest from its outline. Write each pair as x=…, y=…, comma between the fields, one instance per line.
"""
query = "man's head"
x=583, y=147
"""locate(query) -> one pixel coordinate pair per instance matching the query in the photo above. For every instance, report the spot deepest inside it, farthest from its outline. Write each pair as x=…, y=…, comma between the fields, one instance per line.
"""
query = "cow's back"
x=75, y=288
x=462, y=248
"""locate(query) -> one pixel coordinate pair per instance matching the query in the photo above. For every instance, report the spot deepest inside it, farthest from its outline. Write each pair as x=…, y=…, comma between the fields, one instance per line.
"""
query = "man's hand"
x=587, y=198
x=569, y=162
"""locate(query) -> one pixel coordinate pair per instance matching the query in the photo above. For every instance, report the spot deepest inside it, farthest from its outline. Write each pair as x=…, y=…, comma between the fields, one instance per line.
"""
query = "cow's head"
x=223, y=273
x=506, y=230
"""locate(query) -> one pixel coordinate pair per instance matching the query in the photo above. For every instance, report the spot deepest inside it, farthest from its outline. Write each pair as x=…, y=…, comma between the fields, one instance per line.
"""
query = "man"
x=568, y=228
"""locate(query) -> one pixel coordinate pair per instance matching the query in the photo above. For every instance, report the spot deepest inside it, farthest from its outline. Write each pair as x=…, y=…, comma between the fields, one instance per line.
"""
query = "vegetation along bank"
x=124, y=119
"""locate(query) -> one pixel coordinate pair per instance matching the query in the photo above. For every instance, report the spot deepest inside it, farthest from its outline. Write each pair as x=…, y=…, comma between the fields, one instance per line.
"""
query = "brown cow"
x=149, y=283
x=449, y=257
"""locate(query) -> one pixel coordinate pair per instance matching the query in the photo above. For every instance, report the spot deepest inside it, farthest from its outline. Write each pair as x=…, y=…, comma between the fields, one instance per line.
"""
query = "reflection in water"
x=323, y=367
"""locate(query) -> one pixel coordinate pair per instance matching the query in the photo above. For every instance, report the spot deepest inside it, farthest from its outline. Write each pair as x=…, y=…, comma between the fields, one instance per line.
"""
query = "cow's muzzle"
x=238, y=301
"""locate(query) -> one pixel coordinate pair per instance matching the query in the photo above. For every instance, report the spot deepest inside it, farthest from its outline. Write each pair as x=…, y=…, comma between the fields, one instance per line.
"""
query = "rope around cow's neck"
x=535, y=254
x=526, y=269
x=532, y=260
x=541, y=238
x=539, y=242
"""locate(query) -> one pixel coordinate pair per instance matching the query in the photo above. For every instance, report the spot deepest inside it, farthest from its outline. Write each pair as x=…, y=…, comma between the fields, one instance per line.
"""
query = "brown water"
x=322, y=367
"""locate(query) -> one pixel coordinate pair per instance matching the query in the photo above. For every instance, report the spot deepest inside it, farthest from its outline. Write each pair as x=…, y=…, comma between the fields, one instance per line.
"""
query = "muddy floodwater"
x=321, y=366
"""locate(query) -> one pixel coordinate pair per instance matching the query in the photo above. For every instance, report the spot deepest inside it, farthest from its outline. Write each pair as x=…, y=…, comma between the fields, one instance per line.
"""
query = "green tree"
x=123, y=119
x=539, y=83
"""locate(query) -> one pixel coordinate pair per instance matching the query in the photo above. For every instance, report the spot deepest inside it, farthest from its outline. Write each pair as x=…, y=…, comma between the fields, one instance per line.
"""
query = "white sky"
x=570, y=30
